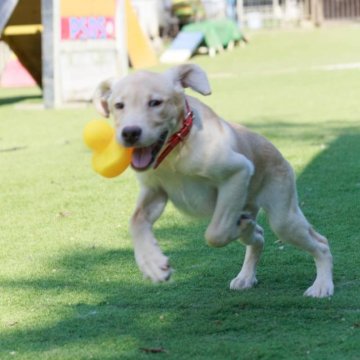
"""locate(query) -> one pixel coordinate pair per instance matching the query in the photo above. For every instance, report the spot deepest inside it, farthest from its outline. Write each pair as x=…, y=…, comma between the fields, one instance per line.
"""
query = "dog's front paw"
x=153, y=264
x=242, y=282
x=320, y=289
x=250, y=231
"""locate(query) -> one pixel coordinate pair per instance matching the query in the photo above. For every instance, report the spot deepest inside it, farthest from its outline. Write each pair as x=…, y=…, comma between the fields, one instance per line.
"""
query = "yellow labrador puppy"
x=187, y=154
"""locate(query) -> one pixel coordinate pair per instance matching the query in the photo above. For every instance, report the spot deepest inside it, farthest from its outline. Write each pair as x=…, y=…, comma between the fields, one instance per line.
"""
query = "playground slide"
x=20, y=28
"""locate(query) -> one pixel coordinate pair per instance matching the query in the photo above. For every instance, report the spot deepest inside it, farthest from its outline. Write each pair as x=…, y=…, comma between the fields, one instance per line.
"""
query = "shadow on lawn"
x=334, y=175
x=329, y=191
x=274, y=128
x=144, y=315
x=16, y=99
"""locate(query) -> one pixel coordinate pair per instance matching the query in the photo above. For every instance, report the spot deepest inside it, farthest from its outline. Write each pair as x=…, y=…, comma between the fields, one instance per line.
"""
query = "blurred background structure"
x=67, y=46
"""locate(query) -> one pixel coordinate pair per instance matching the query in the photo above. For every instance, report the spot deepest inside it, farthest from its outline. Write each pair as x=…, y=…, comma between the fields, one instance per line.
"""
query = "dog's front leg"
x=231, y=199
x=150, y=259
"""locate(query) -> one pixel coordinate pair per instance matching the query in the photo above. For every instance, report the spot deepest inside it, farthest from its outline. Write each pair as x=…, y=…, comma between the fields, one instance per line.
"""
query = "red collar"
x=177, y=137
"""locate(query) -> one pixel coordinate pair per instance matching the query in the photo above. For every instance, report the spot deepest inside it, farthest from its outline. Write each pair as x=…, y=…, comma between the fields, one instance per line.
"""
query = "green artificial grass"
x=69, y=285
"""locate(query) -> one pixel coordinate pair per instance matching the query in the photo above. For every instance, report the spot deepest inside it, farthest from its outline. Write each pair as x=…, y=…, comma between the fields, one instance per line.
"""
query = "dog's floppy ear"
x=192, y=76
x=102, y=95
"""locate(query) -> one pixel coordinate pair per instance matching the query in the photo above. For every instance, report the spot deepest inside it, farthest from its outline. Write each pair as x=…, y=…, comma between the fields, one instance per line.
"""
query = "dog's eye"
x=155, y=103
x=119, y=105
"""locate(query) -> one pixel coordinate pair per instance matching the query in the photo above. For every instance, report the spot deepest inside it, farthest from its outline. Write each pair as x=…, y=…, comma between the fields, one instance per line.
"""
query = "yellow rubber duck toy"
x=109, y=159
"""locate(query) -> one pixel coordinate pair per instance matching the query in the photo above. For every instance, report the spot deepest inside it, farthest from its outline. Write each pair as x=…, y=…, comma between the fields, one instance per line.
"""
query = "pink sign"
x=87, y=28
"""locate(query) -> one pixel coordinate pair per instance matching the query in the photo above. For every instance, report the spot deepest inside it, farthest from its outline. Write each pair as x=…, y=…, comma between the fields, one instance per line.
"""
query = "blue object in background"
x=231, y=10
x=183, y=46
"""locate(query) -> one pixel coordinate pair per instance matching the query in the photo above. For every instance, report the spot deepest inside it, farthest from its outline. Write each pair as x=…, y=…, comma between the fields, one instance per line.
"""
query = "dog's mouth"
x=143, y=157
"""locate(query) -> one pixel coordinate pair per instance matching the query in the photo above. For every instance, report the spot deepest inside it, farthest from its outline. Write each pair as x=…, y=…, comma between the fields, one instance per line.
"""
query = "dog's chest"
x=192, y=195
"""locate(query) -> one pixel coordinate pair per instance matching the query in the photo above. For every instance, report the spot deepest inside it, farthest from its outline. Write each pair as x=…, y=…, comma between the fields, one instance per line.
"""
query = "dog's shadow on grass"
x=116, y=305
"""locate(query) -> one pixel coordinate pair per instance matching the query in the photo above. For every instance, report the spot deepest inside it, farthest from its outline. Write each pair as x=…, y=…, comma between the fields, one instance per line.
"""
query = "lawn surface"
x=69, y=286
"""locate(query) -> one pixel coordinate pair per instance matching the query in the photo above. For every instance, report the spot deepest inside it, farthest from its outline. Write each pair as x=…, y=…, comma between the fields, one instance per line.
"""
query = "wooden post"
x=50, y=42
x=6, y=9
x=121, y=43
x=240, y=13
x=306, y=10
x=275, y=6
x=317, y=15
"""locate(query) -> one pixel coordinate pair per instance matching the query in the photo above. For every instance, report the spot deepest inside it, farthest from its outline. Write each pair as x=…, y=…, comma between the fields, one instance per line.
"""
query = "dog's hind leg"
x=252, y=235
x=290, y=225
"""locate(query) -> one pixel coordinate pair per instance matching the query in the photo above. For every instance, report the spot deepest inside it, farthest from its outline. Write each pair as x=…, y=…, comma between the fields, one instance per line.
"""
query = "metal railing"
x=275, y=13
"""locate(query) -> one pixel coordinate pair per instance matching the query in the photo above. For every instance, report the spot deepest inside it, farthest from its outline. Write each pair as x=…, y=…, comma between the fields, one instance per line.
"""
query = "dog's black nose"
x=131, y=134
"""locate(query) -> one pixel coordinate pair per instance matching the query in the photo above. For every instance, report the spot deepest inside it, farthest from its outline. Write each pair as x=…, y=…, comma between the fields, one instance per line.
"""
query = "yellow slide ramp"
x=140, y=52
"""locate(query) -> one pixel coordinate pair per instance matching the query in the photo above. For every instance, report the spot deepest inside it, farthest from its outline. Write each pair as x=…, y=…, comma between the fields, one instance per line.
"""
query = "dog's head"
x=148, y=107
